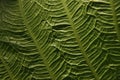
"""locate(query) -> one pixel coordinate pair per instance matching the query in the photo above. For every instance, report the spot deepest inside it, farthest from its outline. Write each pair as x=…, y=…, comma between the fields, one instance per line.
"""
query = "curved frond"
x=59, y=39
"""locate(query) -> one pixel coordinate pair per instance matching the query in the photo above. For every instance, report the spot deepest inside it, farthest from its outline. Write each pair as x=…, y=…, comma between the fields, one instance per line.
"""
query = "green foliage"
x=59, y=39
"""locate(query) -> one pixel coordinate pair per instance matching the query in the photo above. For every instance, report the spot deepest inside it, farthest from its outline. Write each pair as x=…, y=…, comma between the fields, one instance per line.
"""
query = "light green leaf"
x=59, y=39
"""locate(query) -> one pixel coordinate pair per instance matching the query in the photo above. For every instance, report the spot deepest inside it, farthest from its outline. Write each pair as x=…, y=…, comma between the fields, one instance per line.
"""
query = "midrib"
x=34, y=40
x=115, y=19
x=78, y=41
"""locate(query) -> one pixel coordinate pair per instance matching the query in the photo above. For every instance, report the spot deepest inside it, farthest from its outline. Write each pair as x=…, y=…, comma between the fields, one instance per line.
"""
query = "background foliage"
x=59, y=39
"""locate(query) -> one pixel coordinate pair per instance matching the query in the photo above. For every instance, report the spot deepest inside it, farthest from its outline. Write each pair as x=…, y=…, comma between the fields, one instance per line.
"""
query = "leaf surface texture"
x=59, y=39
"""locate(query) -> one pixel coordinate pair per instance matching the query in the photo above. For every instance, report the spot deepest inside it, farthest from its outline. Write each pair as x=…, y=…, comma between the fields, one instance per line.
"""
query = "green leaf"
x=59, y=39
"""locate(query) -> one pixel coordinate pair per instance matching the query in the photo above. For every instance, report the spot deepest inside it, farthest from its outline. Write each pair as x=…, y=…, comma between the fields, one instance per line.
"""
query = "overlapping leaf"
x=59, y=39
